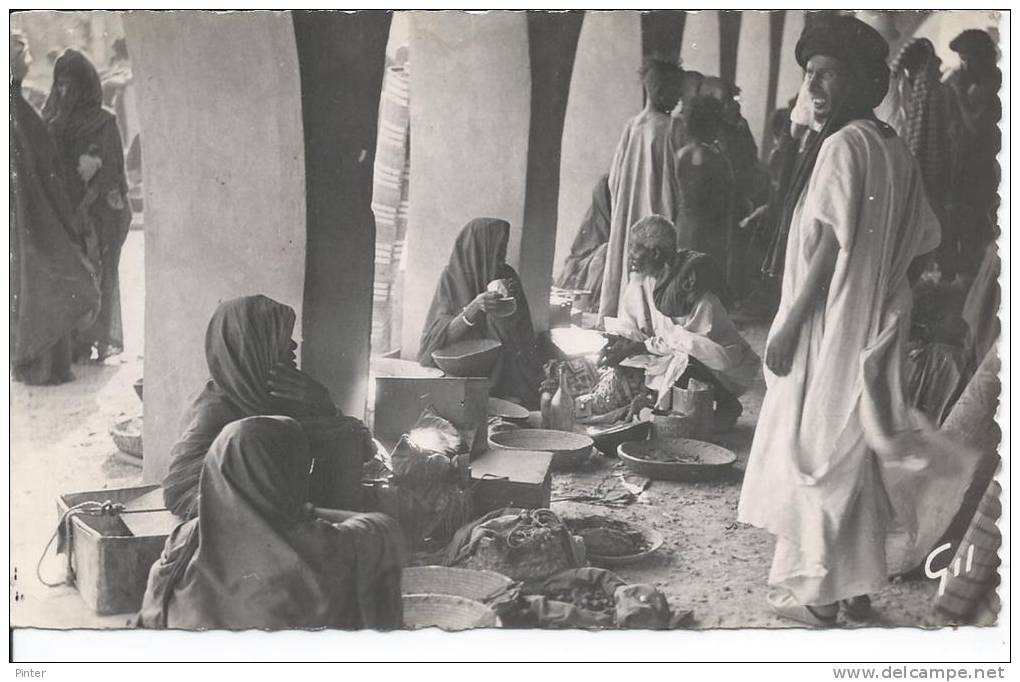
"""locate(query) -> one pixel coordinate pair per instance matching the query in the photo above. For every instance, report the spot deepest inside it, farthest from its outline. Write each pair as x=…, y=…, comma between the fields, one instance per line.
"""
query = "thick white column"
x=470, y=107
x=753, y=70
x=790, y=73
x=700, y=51
x=219, y=102
x=604, y=93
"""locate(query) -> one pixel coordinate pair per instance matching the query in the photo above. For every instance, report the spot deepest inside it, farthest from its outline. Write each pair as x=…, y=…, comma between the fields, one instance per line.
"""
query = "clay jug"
x=561, y=407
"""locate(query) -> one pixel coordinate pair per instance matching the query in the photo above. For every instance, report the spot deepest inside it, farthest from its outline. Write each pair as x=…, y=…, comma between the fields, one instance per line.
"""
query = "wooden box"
x=511, y=478
x=111, y=565
x=399, y=401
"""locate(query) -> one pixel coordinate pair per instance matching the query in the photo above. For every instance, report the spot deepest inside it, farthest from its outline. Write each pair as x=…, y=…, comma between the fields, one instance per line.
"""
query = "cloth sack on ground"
x=588, y=598
x=432, y=501
x=522, y=544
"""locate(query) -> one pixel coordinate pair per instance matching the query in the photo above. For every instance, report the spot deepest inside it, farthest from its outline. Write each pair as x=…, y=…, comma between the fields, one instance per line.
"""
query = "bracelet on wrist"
x=463, y=316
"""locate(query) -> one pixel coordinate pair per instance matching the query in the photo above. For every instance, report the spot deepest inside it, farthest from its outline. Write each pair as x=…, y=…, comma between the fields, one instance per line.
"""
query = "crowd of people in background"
x=885, y=307
x=70, y=218
x=690, y=157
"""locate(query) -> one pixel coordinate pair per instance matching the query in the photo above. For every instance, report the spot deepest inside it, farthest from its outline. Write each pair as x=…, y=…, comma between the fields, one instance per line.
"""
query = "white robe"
x=706, y=333
x=811, y=479
x=642, y=182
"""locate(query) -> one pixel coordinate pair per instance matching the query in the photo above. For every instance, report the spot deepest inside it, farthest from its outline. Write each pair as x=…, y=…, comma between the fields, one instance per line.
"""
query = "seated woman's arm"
x=471, y=316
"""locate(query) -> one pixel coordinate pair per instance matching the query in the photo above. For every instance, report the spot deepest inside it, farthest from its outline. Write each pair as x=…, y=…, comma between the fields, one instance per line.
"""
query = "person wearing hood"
x=860, y=230
x=90, y=148
x=975, y=140
x=466, y=305
x=53, y=286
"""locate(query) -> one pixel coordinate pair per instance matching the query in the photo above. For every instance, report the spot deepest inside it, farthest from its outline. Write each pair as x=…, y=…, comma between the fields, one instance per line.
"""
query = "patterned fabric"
x=926, y=127
x=971, y=596
x=390, y=186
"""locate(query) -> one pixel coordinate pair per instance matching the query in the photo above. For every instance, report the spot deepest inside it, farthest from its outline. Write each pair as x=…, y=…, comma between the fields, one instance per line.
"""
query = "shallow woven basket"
x=447, y=612
x=469, y=358
x=127, y=436
x=456, y=582
x=569, y=450
x=714, y=459
x=655, y=540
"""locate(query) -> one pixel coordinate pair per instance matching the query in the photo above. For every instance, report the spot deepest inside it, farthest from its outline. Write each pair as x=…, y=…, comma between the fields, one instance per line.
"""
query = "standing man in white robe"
x=643, y=174
x=814, y=478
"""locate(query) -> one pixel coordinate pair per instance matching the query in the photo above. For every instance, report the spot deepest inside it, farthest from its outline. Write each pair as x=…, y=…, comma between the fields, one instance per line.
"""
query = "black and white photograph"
x=509, y=320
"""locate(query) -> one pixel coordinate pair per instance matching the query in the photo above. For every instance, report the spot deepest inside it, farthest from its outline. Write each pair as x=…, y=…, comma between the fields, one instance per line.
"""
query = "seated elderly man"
x=673, y=326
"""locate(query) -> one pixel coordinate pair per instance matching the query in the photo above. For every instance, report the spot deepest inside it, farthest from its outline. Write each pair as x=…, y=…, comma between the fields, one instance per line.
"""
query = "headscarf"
x=246, y=337
x=862, y=50
x=476, y=259
x=82, y=113
x=926, y=128
x=593, y=233
x=54, y=288
x=256, y=557
x=670, y=295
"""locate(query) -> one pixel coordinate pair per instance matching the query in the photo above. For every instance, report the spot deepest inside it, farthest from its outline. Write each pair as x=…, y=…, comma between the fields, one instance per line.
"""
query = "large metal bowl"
x=469, y=358
x=707, y=461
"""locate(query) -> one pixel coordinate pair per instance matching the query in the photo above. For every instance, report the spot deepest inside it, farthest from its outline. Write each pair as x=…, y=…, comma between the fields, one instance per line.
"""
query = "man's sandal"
x=784, y=605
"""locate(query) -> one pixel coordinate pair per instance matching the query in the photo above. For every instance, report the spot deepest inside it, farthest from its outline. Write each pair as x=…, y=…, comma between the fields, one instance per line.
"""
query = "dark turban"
x=855, y=44
x=975, y=44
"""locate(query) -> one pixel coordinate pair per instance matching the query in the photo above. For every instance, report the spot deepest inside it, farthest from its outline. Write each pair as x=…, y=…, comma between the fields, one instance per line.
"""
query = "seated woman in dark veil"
x=259, y=556
x=252, y=371
x=461, y=310
x=586, y=264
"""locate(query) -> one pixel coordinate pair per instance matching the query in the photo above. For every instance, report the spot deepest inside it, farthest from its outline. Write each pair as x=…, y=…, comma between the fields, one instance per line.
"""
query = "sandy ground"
x=711, y=564
x=60, y=443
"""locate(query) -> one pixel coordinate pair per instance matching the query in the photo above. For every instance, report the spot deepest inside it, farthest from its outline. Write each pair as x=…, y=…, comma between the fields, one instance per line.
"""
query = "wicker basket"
x=447, y=612
x=713, y=460
x=652, y=537
x=469, y=358
x=456, y=582
x=569, y=450
x=127, y=436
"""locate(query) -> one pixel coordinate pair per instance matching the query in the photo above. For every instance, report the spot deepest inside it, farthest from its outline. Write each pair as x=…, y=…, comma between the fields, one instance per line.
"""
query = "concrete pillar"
x=470, y=106
x=342, y=56
x=729, y=43
x=224, y=210
x=790, y=73
x=700, y=51
x=752, y=74
x=552, y=43
x=605, y=92
x=661, y=33
x=219, y=100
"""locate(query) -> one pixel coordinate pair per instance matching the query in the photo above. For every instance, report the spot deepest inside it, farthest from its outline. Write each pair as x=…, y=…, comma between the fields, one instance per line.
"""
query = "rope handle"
x=89, y=508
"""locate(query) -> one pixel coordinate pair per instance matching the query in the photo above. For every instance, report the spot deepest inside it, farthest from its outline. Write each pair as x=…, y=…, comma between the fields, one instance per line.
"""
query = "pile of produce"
x=608, y=537
x=588, y=597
